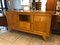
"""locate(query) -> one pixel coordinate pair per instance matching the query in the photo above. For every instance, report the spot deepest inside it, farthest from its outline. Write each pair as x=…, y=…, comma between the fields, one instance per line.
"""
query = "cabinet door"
x=16, y=21
x=41, y=24
x=10, y=20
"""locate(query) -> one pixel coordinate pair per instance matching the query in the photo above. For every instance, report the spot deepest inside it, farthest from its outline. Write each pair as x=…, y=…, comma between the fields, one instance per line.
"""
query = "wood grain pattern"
x=40, y=23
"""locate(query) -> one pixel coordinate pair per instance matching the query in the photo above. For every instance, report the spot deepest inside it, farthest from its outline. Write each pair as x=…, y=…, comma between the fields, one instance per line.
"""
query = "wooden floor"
x=21, y=38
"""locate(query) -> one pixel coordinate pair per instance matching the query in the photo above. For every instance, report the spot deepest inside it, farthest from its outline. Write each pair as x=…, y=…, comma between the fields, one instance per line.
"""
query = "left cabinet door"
x=11, y=20
x=16, y=20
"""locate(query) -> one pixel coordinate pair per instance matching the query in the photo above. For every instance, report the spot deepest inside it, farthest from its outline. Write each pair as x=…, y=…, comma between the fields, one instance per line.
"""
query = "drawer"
x=24, y=25
x=27, y=26
x=21, y=24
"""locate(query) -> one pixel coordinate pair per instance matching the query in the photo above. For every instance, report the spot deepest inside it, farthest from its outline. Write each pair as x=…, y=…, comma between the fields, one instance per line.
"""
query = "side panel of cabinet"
x=41, y=25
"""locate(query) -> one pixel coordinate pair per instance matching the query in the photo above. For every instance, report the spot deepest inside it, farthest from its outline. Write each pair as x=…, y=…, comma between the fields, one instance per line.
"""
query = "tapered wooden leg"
x=9, y=29
x=45, y=38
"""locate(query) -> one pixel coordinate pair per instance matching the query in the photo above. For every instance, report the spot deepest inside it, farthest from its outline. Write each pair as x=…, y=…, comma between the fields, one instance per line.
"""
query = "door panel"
x=41, y=24
x=10, y=20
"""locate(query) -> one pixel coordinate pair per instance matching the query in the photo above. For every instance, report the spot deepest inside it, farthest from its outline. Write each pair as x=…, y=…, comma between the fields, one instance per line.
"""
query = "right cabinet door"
x=41, y=24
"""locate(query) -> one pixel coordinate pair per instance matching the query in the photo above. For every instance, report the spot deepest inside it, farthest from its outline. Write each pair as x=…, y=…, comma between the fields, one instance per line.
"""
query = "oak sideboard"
x=38, y=23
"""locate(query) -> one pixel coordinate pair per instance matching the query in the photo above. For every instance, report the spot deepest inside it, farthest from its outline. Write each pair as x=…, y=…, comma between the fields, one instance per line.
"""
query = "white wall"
x=58, y=5
x=17, y=4
x=9, y=2
x=14, y=4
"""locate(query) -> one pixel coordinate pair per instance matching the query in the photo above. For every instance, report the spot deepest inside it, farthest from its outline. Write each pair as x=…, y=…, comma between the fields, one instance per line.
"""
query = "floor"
x=21, y=38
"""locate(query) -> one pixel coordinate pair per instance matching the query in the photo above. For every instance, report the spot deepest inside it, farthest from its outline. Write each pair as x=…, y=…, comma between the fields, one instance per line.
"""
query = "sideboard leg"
x=45, y=38
x=9, y=29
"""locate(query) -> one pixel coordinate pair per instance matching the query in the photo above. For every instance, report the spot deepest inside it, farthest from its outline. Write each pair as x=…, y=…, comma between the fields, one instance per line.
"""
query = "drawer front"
x=27, y=26
x=24, y=26
x=21, y=25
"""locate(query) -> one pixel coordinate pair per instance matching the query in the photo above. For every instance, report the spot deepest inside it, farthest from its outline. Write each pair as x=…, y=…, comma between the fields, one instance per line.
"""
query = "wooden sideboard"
x=31, y=22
